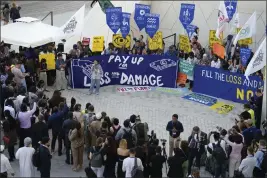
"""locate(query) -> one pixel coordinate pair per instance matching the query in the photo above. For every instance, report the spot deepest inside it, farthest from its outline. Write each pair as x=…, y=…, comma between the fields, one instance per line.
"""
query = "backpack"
x=140, y=132
x=136, y=172
x=115, y=131
x=263, y=164
x=36, y=159
x=97, y=158
x=218, y=153
x=128, y=136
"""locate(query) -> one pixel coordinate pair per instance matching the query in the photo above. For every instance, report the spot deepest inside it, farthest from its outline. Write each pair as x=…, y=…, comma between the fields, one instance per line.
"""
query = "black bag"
x=128, y=136
x=264, y=162
x=136, y=172
x=140, y=132
x=115, y=131
x=89, y=172
x=238, y=174
x=36, y=160
x=218, y=153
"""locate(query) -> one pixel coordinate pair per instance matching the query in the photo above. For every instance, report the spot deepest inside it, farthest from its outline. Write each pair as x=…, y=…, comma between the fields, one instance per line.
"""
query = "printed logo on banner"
x=246, y=41
x=123, y=70
x=113, y=18
x=162, y=64
x=184, y=43
x=222, y=108
x=133, y=89
x=118, y=41
x=186, y=68
x=125, y=25
x=187, y=12
x=259, y=59
x=190, y=29
x=244, y=55
x=152, y=24
x=230, y=6
x=70, y=27
x=139, y=15
x=202, y=99
x=224, y=84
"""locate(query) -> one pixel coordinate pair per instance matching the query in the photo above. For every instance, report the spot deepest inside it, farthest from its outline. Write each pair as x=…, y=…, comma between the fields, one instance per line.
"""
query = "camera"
x=152, y=136
x=163, y=142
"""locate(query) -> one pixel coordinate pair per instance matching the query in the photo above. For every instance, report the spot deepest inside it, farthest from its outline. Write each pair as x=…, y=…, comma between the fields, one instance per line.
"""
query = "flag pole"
x=263, y=114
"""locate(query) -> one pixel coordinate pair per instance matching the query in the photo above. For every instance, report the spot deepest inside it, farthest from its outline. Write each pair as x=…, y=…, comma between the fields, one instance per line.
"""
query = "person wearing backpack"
x=141, y=130
x=218, y=151
x=97, y=157
x=132, y=166
x=128, y=134
x=260, y=169
x=115, y=127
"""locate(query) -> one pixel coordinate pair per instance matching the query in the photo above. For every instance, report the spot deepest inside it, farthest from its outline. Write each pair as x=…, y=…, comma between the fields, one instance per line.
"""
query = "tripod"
x=165, y=155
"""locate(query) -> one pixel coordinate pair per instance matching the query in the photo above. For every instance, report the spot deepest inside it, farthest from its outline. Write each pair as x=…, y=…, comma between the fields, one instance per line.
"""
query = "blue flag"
x=152, y=24
x=139, y=15
x=244, y=55
x=187, y=14
x=190, y=29
x=113, y=17
x=230, y=6
x=125, y=24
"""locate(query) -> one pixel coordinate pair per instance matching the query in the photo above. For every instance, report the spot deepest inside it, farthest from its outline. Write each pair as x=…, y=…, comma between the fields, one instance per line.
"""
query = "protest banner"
x=244, y=56
x=119, y=41
x=224, y=84
x=157, y=71
x=184, y=43
x=213, y=39
x=202, y=99
x=246, y=41
x=175, y=91
x=219, y=50
x=133, y=89
x=187, y=13
x=222, y=108
x=98, y=44
x=86, y=41
x=186, y=68
x=50, y=60
x=156, y=42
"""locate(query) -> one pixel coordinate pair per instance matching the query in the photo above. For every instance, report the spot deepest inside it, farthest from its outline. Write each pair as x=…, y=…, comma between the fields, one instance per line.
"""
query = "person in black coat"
x=39, y=130
x=45, y=158
x=175, y=165
x=157, y=163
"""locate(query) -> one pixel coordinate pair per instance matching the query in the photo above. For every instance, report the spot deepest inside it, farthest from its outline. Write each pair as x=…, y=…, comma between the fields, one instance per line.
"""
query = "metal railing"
x=52, y=19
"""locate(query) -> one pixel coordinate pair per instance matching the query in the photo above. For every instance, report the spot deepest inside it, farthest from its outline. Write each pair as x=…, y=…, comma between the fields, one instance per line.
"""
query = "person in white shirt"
x=24, y=155
x=192, y=59
x=128, y=163
x=216, y=63
x=5, y=164
x=247, y=165
x=9, y=105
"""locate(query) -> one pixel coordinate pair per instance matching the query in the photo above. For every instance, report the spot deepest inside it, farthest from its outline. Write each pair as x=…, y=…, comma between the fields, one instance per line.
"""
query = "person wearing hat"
x=5, y=164
x=97, y=74
x=24, y=155
x=61, y=82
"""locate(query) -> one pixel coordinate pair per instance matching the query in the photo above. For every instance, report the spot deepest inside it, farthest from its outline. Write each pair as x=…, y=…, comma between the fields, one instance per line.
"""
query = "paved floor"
x=154, y=107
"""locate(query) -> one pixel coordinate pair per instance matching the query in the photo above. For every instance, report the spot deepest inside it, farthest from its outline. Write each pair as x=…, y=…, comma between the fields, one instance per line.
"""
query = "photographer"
x=197, y=141
x=156, y=163
x=175, y=128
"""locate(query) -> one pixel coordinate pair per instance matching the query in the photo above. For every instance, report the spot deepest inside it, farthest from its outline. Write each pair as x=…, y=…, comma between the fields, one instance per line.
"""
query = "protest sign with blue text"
x=224, y=84
x=202, y=99
x=125, y=24
x=152, y=24
x=190, y=29
x=245, y=55
x=187, y=13
x=139, y=15
x=157, y=71
x=113, y=18
x=230, y=6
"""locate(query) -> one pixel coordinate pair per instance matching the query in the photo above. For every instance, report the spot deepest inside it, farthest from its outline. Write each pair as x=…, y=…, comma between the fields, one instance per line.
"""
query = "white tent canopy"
x=28, y=32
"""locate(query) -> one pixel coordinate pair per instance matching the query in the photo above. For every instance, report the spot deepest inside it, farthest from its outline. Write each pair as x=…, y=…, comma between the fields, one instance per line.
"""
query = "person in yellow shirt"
x=251, y=112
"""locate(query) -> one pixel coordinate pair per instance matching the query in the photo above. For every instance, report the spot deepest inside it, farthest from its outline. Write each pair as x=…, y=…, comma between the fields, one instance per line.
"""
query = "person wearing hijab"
x=24, y=155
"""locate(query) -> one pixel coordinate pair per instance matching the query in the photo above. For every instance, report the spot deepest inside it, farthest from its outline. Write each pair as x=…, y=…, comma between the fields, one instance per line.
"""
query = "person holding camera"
x=156, y=163
x=175, y=128
x=197, y=141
